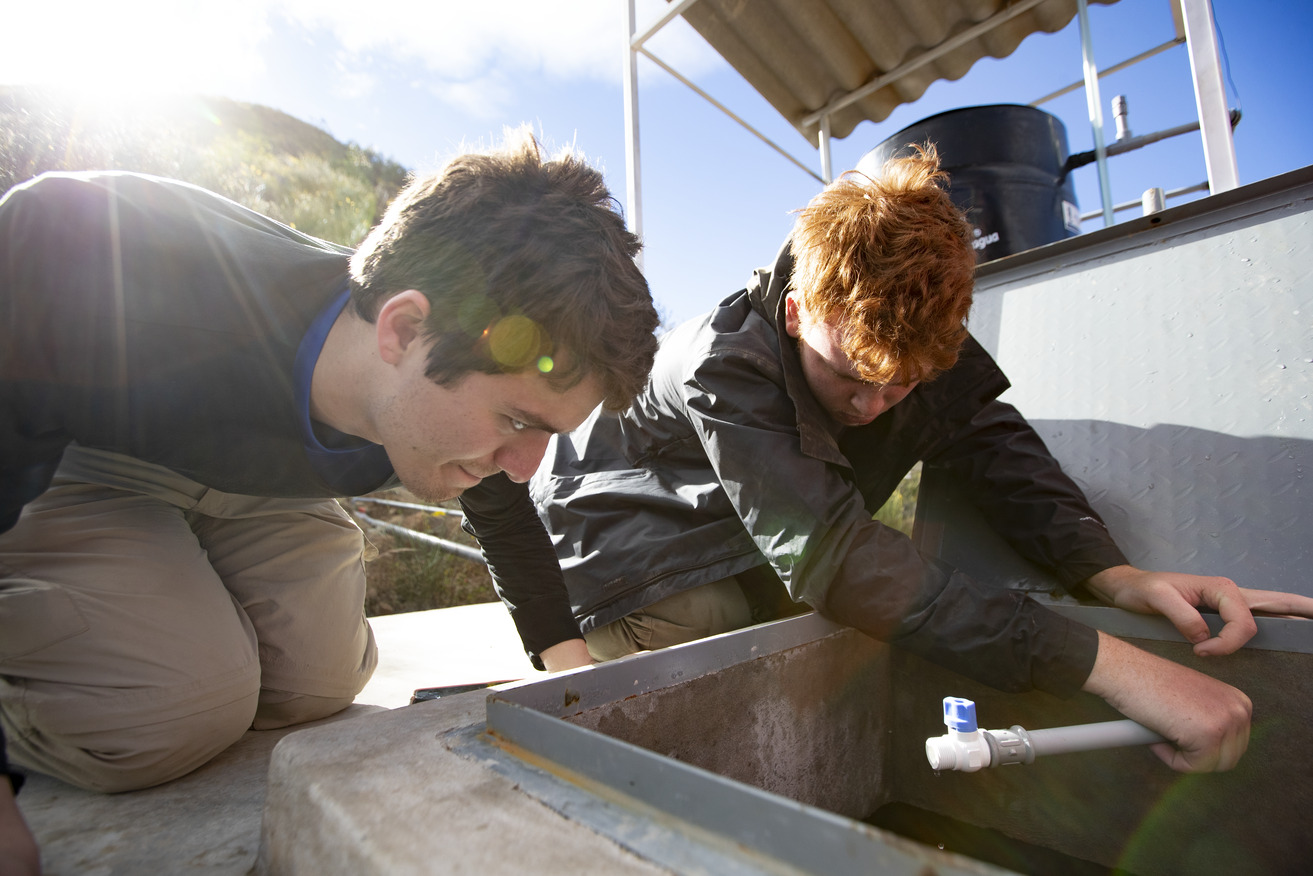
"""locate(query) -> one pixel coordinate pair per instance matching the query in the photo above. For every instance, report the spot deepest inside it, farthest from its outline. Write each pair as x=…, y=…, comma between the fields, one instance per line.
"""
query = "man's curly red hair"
x=888, y=261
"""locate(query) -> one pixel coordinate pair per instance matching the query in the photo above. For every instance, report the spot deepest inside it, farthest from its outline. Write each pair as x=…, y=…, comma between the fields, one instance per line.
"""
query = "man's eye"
x=517, y=425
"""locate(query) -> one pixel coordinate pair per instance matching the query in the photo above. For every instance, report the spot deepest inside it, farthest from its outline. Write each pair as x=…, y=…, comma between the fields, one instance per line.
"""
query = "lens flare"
x=514, y=341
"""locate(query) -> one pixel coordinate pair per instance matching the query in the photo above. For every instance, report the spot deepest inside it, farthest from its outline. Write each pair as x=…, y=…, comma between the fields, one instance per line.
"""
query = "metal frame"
x=680, y=816
x=1195, y=28
x=1095, y=105
x=1210, y=94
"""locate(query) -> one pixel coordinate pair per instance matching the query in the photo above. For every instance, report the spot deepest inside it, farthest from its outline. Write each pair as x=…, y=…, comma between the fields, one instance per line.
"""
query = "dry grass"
x=899, y=510
x=409, y=576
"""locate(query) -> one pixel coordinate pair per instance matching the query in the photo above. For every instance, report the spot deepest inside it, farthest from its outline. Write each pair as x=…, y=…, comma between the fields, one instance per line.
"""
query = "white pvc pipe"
x=967, y=748
x=1087, y=737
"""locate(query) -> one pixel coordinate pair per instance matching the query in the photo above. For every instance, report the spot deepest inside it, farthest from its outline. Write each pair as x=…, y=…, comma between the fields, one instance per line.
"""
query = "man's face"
x=444, y=440
x=831, y=375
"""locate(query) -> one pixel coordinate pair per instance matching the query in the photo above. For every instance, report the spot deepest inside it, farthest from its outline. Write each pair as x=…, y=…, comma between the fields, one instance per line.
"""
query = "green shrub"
x=899, y=510
x=259, y=157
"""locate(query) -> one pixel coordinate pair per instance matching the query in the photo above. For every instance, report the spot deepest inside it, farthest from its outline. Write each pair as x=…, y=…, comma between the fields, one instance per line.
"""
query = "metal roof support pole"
x=1115, y=68
x=724, y=109
x=823, y=145
x=1095, y=104
x=633, y=180
x=1210, y=95
x=637, y=43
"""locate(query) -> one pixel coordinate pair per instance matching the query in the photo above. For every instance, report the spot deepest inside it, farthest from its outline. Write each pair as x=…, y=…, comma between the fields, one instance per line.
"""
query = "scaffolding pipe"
x=1095, y=105
x=1080, y=159
x=633, y=165
x=1136, y=205
x=727, y=111
x=431, y=509
x=450, y=547
x=1129, y=62
x=823, y=145
x=1210, y=95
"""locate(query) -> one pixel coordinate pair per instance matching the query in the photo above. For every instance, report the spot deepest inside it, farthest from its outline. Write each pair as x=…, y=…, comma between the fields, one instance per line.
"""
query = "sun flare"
x=127, y=50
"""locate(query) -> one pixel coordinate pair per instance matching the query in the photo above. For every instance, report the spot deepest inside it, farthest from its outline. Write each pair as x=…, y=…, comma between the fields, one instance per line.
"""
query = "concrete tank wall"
x=840, y=723
x=776, y=722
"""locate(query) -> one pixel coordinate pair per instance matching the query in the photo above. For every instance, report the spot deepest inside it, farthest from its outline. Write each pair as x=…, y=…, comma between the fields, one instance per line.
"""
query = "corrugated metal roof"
x=804, y=56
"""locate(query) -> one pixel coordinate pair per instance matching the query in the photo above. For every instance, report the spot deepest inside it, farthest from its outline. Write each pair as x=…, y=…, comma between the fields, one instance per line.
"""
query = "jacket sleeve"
x=1010, y=475
x=809, y=519
x=522, y=561
x=32, y=437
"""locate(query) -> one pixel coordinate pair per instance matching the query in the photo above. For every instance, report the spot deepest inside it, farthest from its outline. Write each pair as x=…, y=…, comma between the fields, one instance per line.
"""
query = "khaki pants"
x=146, y=621
x=751, y=597
x=704, y=611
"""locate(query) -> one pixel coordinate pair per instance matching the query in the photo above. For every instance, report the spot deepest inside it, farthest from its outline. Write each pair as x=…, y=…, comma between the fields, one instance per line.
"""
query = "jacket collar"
x=766, y=291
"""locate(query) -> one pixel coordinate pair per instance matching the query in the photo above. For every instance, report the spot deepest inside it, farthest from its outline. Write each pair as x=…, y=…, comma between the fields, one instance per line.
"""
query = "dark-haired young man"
x=777, y=424
x=185, y=385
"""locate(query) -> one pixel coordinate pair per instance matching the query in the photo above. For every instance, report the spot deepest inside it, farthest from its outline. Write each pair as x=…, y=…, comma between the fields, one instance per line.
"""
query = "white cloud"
x=479, y=98
x=473, y=54
x=351, y=81
x=565, y=39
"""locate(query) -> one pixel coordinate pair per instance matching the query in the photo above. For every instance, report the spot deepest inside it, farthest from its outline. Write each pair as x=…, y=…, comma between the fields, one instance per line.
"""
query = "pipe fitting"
x=963, y=747
x=1121, y=115
x=967, y=748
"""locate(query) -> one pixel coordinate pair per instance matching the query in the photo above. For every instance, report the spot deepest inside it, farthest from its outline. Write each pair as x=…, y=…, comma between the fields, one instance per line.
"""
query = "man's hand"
x=1179, y=596
x=1205, y=720
x=566, y=655
x=18, y=851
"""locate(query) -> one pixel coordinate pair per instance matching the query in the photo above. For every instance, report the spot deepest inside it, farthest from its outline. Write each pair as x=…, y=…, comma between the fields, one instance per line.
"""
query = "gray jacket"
x=726, y=462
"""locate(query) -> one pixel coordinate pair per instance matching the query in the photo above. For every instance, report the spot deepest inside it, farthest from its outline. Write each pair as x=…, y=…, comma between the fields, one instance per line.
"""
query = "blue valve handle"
x=960, y=714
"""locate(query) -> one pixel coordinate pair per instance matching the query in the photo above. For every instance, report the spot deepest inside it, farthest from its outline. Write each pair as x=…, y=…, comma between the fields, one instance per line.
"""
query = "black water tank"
x=1006, y=167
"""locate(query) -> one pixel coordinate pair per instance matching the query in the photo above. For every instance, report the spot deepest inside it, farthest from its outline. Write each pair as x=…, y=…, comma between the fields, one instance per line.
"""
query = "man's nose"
x=870, y=402
x=520, y=456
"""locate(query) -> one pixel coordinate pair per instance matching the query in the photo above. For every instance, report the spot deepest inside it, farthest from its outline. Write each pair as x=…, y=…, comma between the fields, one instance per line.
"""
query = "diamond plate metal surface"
x=1170, y=369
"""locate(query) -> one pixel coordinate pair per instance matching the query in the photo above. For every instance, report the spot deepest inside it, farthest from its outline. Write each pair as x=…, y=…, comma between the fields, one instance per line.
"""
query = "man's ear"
x=792, y=315
x=400, y=324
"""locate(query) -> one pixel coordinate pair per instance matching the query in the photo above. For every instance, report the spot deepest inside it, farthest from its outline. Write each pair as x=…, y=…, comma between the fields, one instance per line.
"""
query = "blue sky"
x=417, y=80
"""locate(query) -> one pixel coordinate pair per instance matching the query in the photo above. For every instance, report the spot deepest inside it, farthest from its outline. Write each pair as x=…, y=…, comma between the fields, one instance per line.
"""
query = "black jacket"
x=158, y=320
x=726, y=460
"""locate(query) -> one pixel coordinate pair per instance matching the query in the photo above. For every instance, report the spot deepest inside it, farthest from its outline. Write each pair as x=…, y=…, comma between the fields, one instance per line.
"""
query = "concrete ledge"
x=387, y=794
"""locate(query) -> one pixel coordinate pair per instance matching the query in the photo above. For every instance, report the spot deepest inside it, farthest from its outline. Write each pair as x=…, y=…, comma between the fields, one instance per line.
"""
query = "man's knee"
x=280, y=708
x=128, y=751
x=322, y=682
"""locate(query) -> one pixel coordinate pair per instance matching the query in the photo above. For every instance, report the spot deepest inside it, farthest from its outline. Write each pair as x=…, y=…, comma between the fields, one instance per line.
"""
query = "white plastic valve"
x=963, y=747
x=967, y=748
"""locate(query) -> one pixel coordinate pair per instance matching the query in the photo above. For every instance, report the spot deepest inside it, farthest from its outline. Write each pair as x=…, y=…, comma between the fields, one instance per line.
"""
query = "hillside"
x=259, y=157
